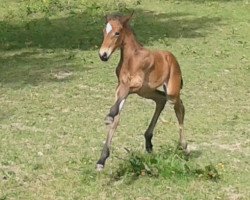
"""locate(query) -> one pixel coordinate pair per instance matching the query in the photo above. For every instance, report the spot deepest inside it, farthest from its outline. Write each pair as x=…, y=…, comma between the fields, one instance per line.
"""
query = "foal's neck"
x=129, y=45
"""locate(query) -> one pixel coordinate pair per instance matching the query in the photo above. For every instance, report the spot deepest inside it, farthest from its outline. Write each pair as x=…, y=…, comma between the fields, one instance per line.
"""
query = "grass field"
x=55, y=93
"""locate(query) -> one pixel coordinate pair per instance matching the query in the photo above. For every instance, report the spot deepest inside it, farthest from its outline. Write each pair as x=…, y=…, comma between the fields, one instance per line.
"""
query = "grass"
x=55, y=92
x=169, y=164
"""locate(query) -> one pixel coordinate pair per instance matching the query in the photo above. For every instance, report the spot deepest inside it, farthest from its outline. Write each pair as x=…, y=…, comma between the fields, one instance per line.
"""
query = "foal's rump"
x=164, y=70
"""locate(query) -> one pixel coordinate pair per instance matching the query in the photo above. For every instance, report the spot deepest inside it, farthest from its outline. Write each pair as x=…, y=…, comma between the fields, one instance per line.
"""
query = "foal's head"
x=113, y=35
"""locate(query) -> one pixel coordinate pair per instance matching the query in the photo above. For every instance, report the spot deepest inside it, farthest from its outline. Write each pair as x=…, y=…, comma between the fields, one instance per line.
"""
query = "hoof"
x=108, y=120
x=99, y=167
x=184, y=148
x=149, y=149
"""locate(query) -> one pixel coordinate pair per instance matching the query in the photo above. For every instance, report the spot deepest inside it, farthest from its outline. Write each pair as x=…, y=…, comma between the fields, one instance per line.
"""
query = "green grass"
x=55, y=93
x=169, y=163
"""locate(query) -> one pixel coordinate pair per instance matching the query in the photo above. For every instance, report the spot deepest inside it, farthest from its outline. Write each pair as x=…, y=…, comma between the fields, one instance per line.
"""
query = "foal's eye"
x=117, y=33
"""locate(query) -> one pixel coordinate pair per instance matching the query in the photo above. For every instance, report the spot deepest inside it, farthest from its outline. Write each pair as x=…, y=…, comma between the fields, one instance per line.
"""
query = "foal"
x=140, y=71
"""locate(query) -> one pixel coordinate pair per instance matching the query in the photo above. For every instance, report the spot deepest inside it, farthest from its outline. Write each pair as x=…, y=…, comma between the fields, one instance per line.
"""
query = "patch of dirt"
x=233, y=193
x=61, y=75
x=235, y=147
x=22, y=127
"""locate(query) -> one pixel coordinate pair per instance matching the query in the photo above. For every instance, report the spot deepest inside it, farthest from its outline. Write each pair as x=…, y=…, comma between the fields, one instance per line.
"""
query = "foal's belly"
x=155, y=80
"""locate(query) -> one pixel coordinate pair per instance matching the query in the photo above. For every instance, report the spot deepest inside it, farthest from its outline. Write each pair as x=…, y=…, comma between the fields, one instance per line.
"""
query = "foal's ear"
x=126, y=19
x=107, y=18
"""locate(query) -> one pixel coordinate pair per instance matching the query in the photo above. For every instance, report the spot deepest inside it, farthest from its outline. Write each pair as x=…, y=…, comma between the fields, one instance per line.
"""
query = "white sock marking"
x=121, y=104
x=108, y=28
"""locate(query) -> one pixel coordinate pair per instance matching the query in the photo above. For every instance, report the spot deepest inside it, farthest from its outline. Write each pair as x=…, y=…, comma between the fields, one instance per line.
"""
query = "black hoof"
x=108, y=120
x=149, y=148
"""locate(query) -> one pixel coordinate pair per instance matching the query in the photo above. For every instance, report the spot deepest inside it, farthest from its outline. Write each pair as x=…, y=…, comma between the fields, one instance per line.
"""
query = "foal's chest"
x=133, y=80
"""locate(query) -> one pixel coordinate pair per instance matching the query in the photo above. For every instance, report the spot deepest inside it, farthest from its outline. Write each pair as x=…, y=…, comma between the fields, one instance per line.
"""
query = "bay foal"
x=140, y=71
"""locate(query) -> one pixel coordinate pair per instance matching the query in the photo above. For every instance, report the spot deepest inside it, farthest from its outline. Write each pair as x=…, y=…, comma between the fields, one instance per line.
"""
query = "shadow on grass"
x=195, y=154
x=34, y=67
x=84, y=31
x=79, y=31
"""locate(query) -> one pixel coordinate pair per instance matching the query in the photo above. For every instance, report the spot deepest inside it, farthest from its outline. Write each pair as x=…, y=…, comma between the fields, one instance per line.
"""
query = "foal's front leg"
x=121, y=94
x=112, y=119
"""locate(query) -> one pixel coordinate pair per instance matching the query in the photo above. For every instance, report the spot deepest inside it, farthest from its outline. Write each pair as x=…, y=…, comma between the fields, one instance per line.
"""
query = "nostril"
x=104, y=56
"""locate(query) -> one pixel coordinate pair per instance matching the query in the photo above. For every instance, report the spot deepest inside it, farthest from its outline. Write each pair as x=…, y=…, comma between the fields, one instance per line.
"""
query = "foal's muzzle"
x=104, y=56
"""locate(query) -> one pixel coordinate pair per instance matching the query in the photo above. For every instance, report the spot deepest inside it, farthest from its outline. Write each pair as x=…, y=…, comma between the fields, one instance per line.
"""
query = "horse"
x=140, y=71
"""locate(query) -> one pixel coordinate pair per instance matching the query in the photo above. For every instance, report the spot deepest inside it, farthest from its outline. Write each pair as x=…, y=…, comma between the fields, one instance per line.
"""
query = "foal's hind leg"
x=180, y=113
x=160, y=99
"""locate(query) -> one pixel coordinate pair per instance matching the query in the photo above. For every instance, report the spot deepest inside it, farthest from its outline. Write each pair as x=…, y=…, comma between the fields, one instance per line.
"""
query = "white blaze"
x=108, y=28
